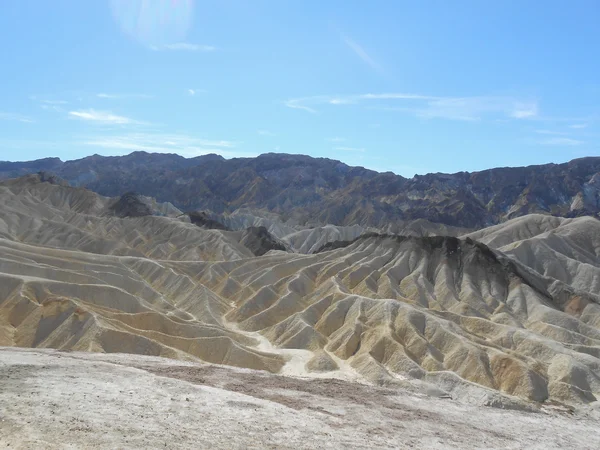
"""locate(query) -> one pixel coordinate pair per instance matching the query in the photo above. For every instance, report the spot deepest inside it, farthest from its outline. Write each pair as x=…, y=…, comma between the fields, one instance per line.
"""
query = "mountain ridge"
x=317, y=191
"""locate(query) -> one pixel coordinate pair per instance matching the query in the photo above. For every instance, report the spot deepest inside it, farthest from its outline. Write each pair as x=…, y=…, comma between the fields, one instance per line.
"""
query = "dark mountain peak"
x=260, y=241
x=44, y=162
x=130, y=205
x=208, y=157
x=16, y=169
x=47, y=177
x=203, y=220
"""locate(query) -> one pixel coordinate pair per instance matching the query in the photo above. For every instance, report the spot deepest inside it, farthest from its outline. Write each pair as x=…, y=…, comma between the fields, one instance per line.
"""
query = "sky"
x=409, y=87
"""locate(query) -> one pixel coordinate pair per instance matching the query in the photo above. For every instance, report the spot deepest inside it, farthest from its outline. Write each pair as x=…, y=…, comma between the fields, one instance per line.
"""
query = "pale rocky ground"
x=56, y=400
x=511, y=325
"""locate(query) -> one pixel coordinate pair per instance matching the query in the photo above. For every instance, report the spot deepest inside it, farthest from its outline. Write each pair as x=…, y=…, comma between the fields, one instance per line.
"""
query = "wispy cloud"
x=336, y=139
x=102, y=117
x=15, y=117
x=427, y=106
x=578, y=126
x=340, y=101
x=122, y=96
x=49, y=104
x=54, y=102
x=349, y=149
x=55, y=108
x=181, y=144
x=295, y=104
x=266, y=133
x=399, y=96
x=551, y=132
x=524, y=110
x=193, y=92
x=475, y=108
x=183, y=46
x=562, y=141
x=362, y=53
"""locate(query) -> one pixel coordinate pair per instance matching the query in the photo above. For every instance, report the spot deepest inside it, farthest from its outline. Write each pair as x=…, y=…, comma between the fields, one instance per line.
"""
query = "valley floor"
x=52, y=399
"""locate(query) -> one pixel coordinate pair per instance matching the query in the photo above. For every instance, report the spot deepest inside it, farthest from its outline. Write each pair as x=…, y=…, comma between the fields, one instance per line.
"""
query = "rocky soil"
x=56, y=400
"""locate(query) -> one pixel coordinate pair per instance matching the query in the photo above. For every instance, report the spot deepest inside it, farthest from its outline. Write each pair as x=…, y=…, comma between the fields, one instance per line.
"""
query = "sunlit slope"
x=422, y=307
x=523, y=320
x=564, y=249
x=78, y=219
x=81, y=301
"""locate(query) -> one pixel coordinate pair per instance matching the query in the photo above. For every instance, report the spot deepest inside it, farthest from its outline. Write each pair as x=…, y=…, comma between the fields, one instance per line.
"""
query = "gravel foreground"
x=51, y=399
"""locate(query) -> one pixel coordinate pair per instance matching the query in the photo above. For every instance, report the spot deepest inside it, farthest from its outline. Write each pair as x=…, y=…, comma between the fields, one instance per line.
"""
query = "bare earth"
x=53, y=399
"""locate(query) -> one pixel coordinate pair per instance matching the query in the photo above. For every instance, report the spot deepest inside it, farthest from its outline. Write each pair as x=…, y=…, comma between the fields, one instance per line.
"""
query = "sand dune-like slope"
x=77, y=219
x=488, y=326
x=563, y=249
x=303, y=239
x=311, y=239
x=432, y=308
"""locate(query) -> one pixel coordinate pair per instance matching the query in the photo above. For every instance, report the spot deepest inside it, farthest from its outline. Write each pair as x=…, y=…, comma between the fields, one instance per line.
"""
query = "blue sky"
x=411, y=87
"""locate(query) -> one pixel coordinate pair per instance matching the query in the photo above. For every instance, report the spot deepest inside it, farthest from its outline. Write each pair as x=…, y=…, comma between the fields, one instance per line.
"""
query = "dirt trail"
x=298, y=358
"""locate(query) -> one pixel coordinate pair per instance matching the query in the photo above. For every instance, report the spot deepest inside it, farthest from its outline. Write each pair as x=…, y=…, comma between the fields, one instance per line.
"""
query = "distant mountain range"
x=314, y=191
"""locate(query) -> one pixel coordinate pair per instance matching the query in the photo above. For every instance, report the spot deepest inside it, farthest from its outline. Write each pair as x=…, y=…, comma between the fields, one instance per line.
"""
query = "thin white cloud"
x=475, y=108
x=551, y=132
x=194, y=92
x=294, y=104
x=362, y=54
x=55, y=108
x=427, y=106
x=181, y=144
x=398, y=96
x=49, y=105
x=340, y=101
x=102, y=117
x=36, y=98
x=578, y=126
x=184, y=46
x=15, y=117
x=121, y=96
x=266, y=133
x=349, y=149
x=336, y=139
x=562, y=141
x=524, y=110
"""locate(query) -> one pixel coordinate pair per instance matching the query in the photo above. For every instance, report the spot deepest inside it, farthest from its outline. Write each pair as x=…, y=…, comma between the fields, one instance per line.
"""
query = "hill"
x=501, y=316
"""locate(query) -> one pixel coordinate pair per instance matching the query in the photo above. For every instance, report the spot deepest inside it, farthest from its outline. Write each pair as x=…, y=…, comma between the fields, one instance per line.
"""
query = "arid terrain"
x=449, y=338
x=53, y=400
x=298, y=224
